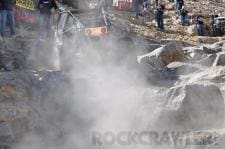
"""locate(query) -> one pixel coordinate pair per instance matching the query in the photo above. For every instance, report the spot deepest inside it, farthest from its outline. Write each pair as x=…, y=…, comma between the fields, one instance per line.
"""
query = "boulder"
x=195, y=53
x=7, y=137
x=13, y=60
x=208, y=60
x=217, y=45
x=211, y=50
x=198, y=105
x=223, y=47
x=22, y=96
x=162, y=56
x=14, y=87
x=183, y=68
x=210, y=74
x=208, y=40
x=14, y=53
x=220, y=59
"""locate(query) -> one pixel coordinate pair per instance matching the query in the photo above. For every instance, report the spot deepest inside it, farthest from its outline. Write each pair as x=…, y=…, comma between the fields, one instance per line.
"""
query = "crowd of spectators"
x=180, y=9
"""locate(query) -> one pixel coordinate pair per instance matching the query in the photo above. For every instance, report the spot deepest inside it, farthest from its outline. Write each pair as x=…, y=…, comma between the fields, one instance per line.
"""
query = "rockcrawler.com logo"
x=154, y=138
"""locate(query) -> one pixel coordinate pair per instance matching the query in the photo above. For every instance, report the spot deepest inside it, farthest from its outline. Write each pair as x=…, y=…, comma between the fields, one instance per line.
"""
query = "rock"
x=192, y=30
x=15, y=54
x=208, y=40
x=211, y=51
x=223, y=47
x=220, y=59
x=170, y=6
x=183, y=68
x=210, y=74
x=195, y=53
x=167, y=22
x=7, y=137
x=22, y=96
x=18, y=43
x=177, y=42
x=208, y=60
x=177, y=22
x=198, y=105
x=161, y=57
x=13, y=87
x=217, y=45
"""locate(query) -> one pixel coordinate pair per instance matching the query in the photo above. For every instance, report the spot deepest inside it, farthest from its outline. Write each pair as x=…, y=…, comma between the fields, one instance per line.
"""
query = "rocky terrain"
x=177, y=84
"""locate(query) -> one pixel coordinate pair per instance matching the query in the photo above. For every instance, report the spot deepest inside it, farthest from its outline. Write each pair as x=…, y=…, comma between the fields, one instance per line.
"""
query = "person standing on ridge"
x=184, y=16
x=6, y=9
x=139, y=7
x=179, y=4
x=200, y=24
x=159, y=16
x=0, y=15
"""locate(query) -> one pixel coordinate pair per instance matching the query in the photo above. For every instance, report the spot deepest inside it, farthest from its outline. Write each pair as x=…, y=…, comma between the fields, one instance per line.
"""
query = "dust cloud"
x=105, y=93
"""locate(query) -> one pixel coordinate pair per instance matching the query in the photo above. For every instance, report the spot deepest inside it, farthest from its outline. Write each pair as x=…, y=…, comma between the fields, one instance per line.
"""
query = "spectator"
x=200, y=24
x=45, y=7
x=157, y=2
x=139, y=8
x=146, y=5
x=7, y=14
x=160, y=17
x=179, y=4
x=0, y=15
x=217, y=28
x=184, y=16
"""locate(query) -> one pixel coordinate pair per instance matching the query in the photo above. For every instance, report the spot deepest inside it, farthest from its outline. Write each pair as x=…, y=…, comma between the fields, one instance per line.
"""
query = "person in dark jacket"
x=200, y=24
x=184, y=16
x=160, y=17
x=179, y=4
x=139, y=7
x=214, y=27
x=156, y=3
x=45, y=7
x=7, y=13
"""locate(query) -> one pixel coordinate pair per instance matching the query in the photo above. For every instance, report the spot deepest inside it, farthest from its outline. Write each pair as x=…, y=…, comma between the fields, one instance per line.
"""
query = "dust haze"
x=106, y=91
x=105, y=94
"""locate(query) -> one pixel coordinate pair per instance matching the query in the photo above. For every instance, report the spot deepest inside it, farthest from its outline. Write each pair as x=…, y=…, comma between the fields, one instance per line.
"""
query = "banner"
x=123, y=4
x=27, y=4
x=25, y=11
